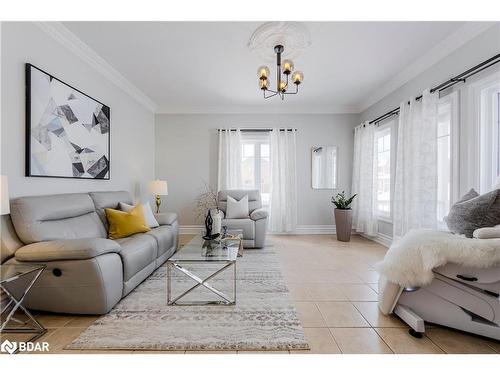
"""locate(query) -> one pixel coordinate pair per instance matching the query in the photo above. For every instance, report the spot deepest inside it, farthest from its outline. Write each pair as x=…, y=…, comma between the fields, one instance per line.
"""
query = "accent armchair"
x=255, y=226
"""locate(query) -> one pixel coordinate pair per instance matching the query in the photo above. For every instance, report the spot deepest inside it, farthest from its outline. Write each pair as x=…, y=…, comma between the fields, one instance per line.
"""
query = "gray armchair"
x=255, y=226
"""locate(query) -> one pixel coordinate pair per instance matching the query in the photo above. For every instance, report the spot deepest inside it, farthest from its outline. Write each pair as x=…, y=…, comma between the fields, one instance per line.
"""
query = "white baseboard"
x=311, y=229
x=301, y=229
x=380, y=238
x=190, y=229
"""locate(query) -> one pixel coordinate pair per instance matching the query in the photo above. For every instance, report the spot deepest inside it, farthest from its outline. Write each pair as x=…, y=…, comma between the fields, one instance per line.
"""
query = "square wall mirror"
x=324, y=167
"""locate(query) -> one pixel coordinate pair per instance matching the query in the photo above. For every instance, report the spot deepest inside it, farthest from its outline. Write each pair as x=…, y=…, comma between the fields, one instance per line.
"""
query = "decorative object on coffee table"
x=67, y=131
x=158, y=188
x=207, y=201
x=208, y=228
x=343, y=216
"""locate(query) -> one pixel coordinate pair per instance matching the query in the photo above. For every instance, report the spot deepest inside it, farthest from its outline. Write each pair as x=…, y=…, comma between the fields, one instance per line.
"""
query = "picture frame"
x=67, y=131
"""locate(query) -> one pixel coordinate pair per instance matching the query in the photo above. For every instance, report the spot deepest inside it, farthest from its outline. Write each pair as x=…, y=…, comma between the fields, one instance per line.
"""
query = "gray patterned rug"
x=262, y=319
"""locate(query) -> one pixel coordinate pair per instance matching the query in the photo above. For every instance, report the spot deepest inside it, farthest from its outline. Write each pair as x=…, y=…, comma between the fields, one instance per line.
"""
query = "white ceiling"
x=206, y=67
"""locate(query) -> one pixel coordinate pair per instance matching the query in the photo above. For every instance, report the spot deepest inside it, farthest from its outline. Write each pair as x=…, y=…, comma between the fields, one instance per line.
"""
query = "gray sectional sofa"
x=86, y=272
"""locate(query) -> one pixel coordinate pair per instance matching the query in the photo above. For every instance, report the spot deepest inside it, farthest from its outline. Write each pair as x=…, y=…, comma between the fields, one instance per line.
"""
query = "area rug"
x=262, y=319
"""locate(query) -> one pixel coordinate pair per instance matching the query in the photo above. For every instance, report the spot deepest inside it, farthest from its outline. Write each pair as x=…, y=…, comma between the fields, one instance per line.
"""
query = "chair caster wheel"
x=415, y=334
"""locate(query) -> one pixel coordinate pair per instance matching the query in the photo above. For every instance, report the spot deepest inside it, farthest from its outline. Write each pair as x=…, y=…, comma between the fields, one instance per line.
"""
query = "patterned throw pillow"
x=474, y=211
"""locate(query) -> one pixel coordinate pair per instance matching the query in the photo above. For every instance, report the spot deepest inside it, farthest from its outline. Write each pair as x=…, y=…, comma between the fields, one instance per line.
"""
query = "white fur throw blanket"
x=409, y=262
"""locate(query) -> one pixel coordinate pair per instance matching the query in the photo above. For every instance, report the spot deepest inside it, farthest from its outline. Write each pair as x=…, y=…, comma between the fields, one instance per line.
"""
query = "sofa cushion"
x=84, y=248
x=124, y=224
x=254, y=201
x=166, y=218
x=109, y=199
x=55, y=217
x=164, y=237
x=138, y=251
x=481, y=211
x=146, y=210
x=247, y=225
x=237, y=209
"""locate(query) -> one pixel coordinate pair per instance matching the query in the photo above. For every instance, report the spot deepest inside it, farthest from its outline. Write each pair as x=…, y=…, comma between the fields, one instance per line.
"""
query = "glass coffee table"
x=222, y=253
x=16, y=281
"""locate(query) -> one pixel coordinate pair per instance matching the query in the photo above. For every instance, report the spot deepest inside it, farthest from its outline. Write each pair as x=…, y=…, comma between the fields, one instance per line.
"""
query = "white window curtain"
x=364, y=180
x=283, y=215
x=230, y=146
x=415, y=186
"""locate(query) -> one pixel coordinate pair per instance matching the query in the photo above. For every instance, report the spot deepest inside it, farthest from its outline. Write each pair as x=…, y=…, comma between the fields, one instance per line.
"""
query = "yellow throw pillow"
x=124, y=224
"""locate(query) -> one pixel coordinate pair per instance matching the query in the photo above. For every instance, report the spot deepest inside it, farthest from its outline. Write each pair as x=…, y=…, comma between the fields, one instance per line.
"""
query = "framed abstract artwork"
x=67, y=131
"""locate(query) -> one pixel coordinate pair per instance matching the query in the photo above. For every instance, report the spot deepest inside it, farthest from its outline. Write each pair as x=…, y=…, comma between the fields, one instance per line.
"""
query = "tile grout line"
x=374, y=328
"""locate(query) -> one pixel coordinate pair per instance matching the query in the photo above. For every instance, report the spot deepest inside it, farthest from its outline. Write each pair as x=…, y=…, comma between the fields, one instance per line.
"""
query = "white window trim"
x=389, y=127
x=453, y=99
x=471, y=113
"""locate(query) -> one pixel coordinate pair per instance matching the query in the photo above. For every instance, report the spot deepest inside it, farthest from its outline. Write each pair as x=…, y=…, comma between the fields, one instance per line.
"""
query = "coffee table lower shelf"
x=223, y=298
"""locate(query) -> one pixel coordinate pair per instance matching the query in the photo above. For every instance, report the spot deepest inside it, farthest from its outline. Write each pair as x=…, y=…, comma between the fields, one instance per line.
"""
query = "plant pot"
x=343, y=224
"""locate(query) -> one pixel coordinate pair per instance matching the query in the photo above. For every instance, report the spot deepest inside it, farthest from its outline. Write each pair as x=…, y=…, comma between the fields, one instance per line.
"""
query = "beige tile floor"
x=334, y=288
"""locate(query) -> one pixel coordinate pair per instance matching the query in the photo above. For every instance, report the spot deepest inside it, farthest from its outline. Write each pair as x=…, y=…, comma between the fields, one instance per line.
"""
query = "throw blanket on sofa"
x=409, y=262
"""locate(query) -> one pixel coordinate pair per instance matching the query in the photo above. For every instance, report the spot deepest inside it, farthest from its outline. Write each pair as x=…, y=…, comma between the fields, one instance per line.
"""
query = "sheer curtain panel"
x=415, y=189
x=364, y=180
x=283, y=215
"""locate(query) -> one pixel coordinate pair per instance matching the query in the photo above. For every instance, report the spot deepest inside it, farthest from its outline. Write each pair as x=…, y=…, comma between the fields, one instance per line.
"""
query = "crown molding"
x=258, y=109
x=454, y=41
x=65, y=37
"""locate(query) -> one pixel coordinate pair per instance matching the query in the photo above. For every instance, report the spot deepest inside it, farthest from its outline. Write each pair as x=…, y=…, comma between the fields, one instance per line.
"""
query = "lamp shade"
x=4, y=196
x=158, y=187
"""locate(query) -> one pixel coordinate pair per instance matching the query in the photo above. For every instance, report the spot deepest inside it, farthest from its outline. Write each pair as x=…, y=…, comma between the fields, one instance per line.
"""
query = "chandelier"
x=283, y=71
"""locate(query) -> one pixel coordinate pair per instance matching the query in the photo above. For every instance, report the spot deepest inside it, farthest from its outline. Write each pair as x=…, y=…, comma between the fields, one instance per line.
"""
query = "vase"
x=343, y=224
x=216, y=221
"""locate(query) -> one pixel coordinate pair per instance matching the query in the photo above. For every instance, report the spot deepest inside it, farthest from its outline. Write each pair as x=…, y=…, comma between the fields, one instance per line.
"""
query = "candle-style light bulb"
x=287, y=66
x=297, y=77
x=263, y=72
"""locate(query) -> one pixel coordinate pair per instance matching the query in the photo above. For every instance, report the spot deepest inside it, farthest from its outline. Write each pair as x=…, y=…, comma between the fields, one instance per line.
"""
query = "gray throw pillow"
x=474, y=211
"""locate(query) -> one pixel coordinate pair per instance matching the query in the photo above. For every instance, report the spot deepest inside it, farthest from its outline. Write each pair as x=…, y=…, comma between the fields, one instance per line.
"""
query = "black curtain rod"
x=256, y=130
x=462, y=77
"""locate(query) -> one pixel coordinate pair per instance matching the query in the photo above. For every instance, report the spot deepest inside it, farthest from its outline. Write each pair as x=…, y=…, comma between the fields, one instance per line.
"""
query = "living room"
x=236, y=186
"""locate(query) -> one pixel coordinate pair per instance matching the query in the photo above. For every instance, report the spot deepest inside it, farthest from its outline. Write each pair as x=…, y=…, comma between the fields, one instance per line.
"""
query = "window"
x=490, y=137
x=447, y=156
x=256, y=164
x=383, y=174
x=443, y=160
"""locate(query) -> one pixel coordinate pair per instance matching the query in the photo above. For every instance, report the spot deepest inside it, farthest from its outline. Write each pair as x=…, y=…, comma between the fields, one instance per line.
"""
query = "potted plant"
x=343, y=216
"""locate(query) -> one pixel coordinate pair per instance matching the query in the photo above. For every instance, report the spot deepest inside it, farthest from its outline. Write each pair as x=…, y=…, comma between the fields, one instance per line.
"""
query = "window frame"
x=452, y=99
x=388, y=126
x=489, y=124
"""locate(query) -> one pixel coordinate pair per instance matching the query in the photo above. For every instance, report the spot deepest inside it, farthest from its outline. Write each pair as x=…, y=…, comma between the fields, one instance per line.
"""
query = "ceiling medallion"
x=293, y=35
x=283, y=71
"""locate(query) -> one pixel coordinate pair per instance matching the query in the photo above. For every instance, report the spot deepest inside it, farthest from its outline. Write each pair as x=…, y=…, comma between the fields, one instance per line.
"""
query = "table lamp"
x=4, y=196
x=158, y=187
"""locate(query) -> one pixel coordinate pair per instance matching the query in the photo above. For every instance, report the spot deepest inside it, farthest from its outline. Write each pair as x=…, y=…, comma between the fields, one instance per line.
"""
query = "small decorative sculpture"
x=208, y=228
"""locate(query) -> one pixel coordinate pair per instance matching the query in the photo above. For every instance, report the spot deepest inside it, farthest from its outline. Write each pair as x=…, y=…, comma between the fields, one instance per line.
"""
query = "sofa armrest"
x=489, y=232
x=166, y=218
x=85, y=248
x=258, y=214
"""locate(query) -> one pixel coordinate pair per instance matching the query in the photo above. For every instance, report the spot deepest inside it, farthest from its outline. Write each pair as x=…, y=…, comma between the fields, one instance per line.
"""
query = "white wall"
x=484, y=46
x=132, y=125
x=187, y=146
